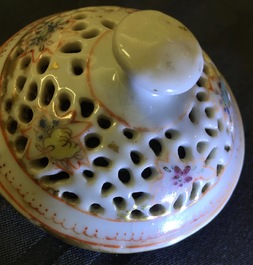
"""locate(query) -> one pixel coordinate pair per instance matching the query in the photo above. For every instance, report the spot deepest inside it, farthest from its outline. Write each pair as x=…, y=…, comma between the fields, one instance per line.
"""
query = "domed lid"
x=118, y=133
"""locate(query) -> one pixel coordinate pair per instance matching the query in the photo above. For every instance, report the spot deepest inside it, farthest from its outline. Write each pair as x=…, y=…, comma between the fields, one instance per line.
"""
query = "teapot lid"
x=117, y=131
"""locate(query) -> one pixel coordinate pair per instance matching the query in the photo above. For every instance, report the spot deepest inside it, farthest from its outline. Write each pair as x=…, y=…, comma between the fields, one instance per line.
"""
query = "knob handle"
x=158, y=53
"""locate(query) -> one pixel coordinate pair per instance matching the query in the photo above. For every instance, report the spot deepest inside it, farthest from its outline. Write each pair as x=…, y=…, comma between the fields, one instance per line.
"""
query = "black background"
x=224, y=29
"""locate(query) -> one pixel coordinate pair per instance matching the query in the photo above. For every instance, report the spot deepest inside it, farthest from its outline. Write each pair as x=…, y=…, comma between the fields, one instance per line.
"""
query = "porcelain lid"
x=118, y=132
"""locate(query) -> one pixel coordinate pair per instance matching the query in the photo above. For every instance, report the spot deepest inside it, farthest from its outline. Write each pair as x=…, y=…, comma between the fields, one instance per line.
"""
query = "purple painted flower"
x=181, y=176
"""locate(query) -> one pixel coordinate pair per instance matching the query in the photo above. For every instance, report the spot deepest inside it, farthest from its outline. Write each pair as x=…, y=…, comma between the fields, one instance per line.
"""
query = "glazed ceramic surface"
x=118, y=133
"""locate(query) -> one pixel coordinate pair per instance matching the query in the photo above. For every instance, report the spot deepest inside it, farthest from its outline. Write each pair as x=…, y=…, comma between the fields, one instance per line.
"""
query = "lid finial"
x=158, y=53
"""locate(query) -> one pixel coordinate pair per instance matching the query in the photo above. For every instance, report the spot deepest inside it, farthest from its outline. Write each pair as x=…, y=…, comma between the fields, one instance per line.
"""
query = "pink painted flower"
x=181, y=176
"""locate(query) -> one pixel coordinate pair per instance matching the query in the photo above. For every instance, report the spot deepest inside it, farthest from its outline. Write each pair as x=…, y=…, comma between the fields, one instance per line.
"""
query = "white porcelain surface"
x=91, y=153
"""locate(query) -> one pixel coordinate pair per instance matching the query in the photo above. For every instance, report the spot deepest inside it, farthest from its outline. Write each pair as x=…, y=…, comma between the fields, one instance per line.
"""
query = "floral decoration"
x=181, y=176
x=58, y=140
x=43, y=33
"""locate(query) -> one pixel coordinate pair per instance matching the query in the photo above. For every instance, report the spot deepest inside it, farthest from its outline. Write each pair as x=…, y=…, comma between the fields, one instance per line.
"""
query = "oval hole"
x=137, y=214
x=20, y=83
x=25, y=62
x=40, y=163
x=107, y=188
x=104, y=122
x=70, y=197
x=79, y=26
x=179, y=202
x=108, y=24
x=64, y=102
x=92, y=33
x=25, y=114
x=43, y=65
x=156, y=146
x=181, y=152
x=119, y=202
x=20, y=144
x=124, y=175
x=55, y=178
x=202, y=96
x=89, y=175
x=157, y=210
x=72, y=47
x=135, y=157
x=87, y=107
x=92, y=141
x=96, y=209
x=101, y=162
x=47, y=94
x=12, y=125
x=77, y=67
x=194, y=190
x=32, y=91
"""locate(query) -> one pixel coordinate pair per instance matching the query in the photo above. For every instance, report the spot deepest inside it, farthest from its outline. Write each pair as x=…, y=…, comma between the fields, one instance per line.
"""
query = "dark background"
x=224, y=29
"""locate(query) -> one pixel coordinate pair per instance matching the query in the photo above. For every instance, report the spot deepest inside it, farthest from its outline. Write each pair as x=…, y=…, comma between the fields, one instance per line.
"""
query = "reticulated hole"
x=25, y=114
x=72, y=47
x=119, y=202
x=136, y=157
x=156, y=146
x=108, y=24
x=181, y=152
x=157, y=210
x=201, y=147
x=12, y=125
x=124, y=175
x=20, y=83
x=211, y=156
x=92, y=141
x=96, y=209
x=129, y=133
x=101, y=162
x=47, y=94
x=202, y=82
x=227, y=148
x=43, y=65
x=195, y=190
x=79, y=16
x=8, y=105
x=137, y=214
x=171, y=134
x=70, y=197
x=202, y=96
x=18, y=52
x=148, y=173
x=220, y=125
x=64, y=102
x=104, y=122
x=77, y=67
x=40, y=163
x=92, y=33
x=32, y=91
x=211, y=132
x=219, y=170
x=140, y=197
x=193, y=115
x=79, y=26
x=179, y=202
x=210, y=112
x=89, y=175
x=20, y=144
x=25, y=62
x=87, y=107
x=107, y=188
x=205, y=187
x=55, y=178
